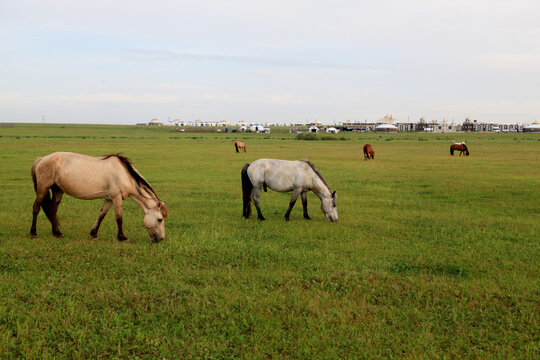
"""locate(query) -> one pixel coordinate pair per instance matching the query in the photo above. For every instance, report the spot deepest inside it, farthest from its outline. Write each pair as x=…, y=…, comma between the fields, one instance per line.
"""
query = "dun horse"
x=240, y=145
x=283, y=176
x=109, y=177
x=368, y=152
x=461, y=147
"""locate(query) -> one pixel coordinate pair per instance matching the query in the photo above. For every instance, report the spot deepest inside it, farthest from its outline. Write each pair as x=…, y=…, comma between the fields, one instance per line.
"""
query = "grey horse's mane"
x=314, y=168
x=141, y=182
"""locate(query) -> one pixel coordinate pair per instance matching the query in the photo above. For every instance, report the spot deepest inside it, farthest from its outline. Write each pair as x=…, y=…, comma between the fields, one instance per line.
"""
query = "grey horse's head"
x=329, y=207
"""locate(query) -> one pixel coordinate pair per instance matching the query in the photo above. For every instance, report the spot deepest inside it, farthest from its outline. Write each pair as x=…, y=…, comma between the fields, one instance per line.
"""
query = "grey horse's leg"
x=304, y=205
x=256, y=195
x=106, y=206
x=294, y=196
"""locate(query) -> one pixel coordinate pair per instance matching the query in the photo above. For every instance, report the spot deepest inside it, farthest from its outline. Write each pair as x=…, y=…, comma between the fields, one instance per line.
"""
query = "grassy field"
x=433, y=256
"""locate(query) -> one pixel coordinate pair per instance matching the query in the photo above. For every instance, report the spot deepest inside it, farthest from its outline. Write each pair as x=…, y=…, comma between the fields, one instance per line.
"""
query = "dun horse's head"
x=329, y=207
x=154, y=221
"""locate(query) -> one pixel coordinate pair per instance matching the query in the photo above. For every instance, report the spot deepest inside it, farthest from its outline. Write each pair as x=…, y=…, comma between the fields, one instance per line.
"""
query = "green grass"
x=433, y=256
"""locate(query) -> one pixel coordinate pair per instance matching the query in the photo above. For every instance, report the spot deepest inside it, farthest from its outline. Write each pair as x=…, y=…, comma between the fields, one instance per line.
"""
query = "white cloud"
x=120, y=98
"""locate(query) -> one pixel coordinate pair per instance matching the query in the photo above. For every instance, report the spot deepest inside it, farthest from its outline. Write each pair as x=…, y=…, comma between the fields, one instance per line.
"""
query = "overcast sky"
x=125, y=62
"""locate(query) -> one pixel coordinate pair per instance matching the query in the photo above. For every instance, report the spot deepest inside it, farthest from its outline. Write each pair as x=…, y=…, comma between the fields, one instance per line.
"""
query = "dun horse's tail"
x=33, y=171
x=247, y=186
x=47, y=200
x=236, y=146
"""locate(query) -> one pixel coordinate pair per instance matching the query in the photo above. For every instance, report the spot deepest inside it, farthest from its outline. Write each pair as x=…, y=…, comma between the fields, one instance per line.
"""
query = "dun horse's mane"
x=134, y=173
x=314, y=168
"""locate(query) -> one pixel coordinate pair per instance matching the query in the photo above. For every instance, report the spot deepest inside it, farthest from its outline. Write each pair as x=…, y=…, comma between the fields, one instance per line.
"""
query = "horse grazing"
x=461, y=147
x=281, y=175
x=368, y=152
x=109, y=177
x=240, y=145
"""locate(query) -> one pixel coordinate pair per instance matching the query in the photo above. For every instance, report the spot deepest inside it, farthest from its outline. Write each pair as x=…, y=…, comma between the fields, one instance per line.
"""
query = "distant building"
x=332, y=130
x=444, y=127
x=533, y=128
x=386, y=128
x=405, y=126
x=155, y=122
x=467, y=125
x=421, y=125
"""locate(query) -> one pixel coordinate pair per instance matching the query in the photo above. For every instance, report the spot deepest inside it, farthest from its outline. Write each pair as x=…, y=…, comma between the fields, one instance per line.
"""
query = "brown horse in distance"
x=240, y=145
x=461, y=147
x=368, y=152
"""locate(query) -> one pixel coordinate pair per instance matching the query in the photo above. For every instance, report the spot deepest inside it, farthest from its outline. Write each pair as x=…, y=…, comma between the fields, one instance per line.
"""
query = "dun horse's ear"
x=163, y=209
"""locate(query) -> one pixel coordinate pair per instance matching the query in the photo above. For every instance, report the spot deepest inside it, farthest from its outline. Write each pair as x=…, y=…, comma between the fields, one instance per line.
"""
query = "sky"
x=126, y=62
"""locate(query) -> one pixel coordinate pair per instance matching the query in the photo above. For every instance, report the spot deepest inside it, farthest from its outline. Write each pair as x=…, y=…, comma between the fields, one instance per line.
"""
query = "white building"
x=155, y=122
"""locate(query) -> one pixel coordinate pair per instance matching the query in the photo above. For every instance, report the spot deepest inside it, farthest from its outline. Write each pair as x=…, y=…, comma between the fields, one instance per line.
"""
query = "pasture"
x=433, y=256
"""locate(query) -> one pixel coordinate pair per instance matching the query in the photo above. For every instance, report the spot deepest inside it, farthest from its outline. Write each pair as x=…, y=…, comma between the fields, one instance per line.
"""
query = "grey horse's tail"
x=247, y=186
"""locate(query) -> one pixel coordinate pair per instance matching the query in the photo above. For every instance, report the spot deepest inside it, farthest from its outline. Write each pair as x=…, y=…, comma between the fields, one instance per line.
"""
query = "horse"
x=240, y=145
x=283, y=176
x=461, y=147
x=368, y=152
x=110, y=177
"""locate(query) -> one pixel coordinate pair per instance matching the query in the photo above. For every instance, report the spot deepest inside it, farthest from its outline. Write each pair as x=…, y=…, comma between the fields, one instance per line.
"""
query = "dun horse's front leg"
x=106, y=206
x=292, y=202
x=117, y=202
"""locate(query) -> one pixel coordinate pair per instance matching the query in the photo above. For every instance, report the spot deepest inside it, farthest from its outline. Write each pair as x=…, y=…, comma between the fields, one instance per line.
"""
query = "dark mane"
x=141, y=182
x=314, y=168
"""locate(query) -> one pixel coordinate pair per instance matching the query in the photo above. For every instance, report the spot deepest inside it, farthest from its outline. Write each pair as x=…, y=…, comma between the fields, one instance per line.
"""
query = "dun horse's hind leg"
x=106, y=206
x=256, y=195
x=40, y=197
x=43, y=200
x=53, y=209
x=117, y=202
x=304, y=205
x=292, y=202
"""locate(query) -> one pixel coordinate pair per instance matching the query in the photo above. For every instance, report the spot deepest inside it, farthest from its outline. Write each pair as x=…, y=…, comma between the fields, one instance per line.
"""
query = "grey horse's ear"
x=334, y=194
